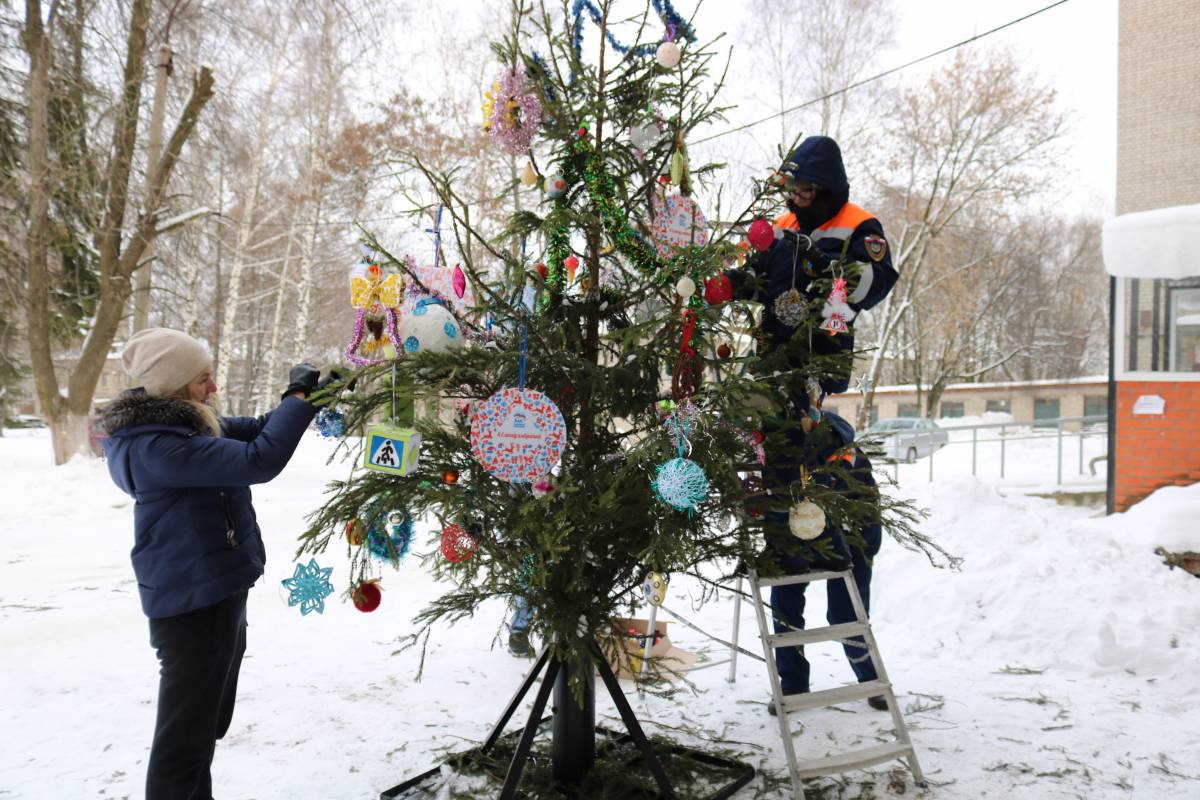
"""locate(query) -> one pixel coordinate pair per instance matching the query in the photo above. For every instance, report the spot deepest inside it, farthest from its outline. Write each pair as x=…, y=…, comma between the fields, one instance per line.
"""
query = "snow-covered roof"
x=1163, y=243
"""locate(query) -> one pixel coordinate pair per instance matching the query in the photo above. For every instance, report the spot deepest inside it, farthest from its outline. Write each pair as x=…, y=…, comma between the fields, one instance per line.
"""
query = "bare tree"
x=118, y=256
x=974, y=135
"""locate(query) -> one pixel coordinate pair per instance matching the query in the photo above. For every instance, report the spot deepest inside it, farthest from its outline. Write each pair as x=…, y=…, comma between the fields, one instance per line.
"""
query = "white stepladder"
x=854, y=759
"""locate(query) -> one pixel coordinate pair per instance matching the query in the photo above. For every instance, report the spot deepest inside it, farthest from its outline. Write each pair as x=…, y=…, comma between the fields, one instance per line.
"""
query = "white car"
x=908, y=438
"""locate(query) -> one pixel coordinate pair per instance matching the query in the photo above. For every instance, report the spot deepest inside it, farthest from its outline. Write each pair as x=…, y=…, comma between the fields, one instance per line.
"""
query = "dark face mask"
x=819, y=212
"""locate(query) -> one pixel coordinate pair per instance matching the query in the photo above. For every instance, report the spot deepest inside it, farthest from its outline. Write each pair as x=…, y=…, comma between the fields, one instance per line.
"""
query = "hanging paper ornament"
x=366, y=596
x=389, y=535
x=678, y=222
x=356, y=532
x=330, y=423
x=572, y=264
x=668, y=55
x=376, y=297
x=529, y=175
x=837, y=311
x=459, y=282
x=685, y=287
x=430, y=328
x=681, y=484
x=806, y=520
x=449, y=476
x=790, y=308
x=543, y=486
x=514, y=114
x=724, y=352
x=644, y=135
x=718, y=289
x=457, y=545
x=309, y=587
x=654, y=589
x=517, y=435
x=392, y=450
x=556, y=186
x=761, y=234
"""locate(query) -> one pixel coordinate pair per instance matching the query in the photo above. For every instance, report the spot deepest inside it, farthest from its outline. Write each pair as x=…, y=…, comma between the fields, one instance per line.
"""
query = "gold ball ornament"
x=806, y=520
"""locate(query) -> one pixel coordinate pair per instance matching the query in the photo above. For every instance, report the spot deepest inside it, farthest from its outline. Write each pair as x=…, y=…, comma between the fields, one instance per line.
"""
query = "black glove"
x=806, y=251
x=302, y=378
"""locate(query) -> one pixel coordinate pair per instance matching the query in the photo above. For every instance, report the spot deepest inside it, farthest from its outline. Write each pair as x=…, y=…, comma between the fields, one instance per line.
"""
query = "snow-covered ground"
x=1061, y=661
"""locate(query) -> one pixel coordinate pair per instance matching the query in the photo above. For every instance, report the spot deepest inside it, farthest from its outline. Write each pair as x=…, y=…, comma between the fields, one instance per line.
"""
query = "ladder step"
x=830, y=633
x=854, y=759
x=829, y=697
x=807, y=577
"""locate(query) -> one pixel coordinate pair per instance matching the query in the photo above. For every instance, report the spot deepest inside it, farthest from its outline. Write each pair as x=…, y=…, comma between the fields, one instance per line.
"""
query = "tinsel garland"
x=513, y=131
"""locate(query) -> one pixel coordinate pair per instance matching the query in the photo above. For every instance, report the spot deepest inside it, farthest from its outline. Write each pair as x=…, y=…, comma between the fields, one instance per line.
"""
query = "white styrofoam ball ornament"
x=644, y=135
x=668, y=54
x=685, y=287
x=430, y=328
x=806, y=520
x=556, y=186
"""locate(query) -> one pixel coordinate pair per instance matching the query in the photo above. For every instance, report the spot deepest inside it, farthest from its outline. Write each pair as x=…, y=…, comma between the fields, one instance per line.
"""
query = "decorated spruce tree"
x=595, y=413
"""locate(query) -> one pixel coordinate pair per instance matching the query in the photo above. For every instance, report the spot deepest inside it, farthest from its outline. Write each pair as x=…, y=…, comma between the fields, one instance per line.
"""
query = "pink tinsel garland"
x=514, y=135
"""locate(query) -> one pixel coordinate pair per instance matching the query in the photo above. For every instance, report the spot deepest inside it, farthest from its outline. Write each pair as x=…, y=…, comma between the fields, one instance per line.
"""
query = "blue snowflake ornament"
x=309, y=587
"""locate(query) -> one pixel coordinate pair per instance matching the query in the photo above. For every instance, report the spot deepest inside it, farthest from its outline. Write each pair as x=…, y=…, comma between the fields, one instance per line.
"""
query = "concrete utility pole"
x=162, y=71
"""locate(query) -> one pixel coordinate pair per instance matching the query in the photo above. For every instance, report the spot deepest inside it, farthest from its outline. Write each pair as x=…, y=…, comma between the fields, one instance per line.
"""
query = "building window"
x=1163, y=330
x=908, y=410
x=1000, y=406
x=952, y=408
x=1095, y=405
x=1045, y=408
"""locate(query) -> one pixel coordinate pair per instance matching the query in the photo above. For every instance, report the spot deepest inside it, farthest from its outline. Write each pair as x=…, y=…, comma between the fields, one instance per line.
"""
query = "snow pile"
x=1058, y=662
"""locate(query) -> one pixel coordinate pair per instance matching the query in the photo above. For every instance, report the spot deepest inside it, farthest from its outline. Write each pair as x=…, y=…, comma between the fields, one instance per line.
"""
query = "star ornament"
x=309, y=587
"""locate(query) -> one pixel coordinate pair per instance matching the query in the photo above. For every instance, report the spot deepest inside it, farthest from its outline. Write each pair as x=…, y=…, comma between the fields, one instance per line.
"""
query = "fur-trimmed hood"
x=134, y=408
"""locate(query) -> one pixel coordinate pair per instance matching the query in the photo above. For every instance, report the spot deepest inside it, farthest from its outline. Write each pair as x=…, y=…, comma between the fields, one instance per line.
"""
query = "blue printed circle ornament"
x=517, y=435
x=681, y=484
x=430, y=328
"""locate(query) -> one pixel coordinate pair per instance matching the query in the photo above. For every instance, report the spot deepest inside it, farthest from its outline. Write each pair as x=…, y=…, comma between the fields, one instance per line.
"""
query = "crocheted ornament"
x=681, y=484
x=790, y=308
x=512, y=112
x=309, y=587
x=806, y=520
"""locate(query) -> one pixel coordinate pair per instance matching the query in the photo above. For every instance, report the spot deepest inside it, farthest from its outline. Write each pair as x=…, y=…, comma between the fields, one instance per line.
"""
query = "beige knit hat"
x=161, y=360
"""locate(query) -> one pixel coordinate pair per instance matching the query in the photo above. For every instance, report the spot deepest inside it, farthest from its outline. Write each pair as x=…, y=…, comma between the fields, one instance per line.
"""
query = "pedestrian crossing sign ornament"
x=392, y=450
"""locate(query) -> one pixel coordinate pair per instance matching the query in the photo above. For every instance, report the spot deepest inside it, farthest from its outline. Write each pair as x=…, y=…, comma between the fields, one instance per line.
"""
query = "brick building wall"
x=1156, y=450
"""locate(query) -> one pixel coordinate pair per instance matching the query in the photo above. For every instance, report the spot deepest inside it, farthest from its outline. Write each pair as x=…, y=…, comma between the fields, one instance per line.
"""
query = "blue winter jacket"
x=196, y=537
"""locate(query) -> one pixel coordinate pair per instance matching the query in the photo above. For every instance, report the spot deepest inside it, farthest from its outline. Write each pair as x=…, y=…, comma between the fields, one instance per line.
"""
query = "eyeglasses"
x=801, y=189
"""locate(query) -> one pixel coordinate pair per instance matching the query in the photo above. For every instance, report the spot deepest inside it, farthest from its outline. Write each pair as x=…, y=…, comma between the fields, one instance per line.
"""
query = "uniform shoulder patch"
x=876, y=247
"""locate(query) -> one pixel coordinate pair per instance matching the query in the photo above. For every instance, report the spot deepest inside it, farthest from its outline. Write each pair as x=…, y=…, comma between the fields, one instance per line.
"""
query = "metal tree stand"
x=573, y=729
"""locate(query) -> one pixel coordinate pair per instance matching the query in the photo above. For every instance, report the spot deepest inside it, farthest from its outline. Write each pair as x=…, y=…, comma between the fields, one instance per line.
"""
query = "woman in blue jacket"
x=197, y=546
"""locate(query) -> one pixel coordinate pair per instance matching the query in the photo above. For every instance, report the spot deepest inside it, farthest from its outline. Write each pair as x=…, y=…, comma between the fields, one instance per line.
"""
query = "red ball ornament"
x=582, y=132
x=761, y=234
x=724, y=351
x=718, y=290
x=457, y=544
x=366, y=596
x=542, y=270
x=450, y=477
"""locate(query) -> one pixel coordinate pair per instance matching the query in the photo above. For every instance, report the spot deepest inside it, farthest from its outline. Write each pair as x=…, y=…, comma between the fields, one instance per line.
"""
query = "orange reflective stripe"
x=849, y=218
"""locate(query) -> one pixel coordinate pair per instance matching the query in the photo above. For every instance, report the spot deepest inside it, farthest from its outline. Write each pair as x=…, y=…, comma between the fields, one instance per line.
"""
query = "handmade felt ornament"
x=376, y=296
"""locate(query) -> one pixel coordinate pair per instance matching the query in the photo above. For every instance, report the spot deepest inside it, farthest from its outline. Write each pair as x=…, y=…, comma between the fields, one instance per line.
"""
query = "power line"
x=883, y=74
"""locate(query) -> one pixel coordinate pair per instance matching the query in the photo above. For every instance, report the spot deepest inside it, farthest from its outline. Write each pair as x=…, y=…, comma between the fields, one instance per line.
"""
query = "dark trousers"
x=200, y=654
x=787, y=605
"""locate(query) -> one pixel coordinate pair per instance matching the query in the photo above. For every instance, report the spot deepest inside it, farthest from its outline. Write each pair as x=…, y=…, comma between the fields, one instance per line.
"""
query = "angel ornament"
x=376, y=296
